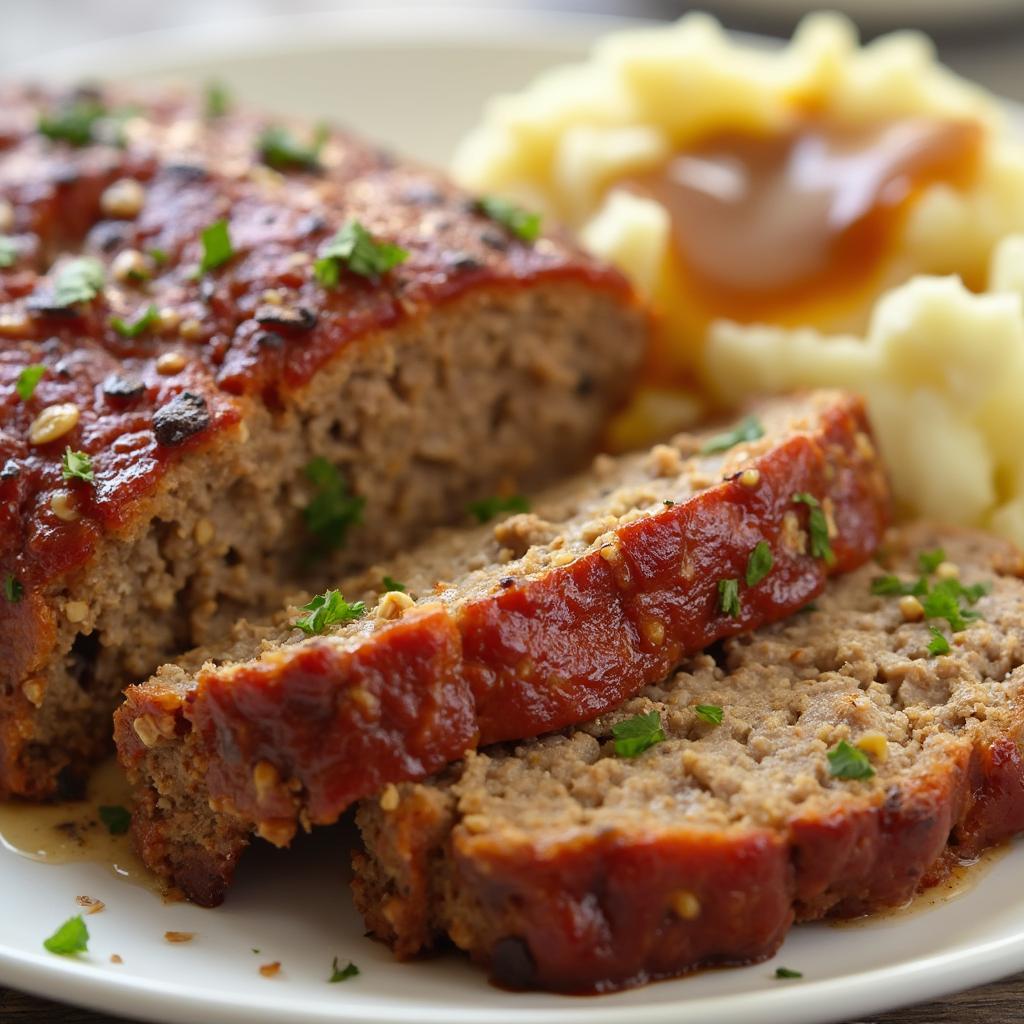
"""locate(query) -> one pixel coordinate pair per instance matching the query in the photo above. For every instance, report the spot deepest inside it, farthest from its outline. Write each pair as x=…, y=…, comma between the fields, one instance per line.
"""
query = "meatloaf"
x=500, y=632
x=824, y=766
x=239, y=354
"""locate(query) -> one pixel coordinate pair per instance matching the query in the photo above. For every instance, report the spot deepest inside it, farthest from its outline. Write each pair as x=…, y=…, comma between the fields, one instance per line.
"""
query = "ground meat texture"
x=419, y=389
x=558, y=865
x=529, y=623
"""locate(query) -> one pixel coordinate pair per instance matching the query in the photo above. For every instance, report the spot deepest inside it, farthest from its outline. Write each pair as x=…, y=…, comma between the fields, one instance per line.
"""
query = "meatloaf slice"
x=827, y=765
x=502, y=632
x=242, y=410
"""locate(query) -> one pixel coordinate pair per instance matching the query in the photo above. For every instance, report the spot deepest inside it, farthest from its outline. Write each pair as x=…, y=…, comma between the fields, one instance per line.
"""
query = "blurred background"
x=981, y=38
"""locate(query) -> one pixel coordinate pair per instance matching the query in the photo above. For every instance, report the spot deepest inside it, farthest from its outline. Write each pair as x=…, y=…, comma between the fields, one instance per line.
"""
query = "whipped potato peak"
x=943, y=372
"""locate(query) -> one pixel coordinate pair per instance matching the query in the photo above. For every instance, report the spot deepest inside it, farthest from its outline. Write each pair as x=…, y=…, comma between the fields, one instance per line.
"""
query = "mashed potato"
x=567, y=143
x=943, y=372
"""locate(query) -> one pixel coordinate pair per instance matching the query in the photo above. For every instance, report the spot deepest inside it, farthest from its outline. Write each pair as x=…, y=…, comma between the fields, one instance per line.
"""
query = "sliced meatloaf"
x=500, y=632
x=825, y=766
x=236, y=355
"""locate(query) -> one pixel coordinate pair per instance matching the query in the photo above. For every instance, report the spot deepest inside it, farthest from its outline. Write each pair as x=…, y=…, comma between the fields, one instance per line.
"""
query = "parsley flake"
x=158, y=256
x=80, y=280
x=393, y=585
x=710, y=713
x=327, y=610
x=847, y=762
x=74, y=122
x=71, y=937
x=821, y=546
x=522, y=223
x=729, y=597
x=342, y=973
x=637, y=734
x=487, y=508
x=116, y=818
x=13, y=590
x=893, y=586
x=785, y=972
x=748, y=429
x=929, y=561
x=8, y=251
x=355, y=248
x=217, y=248
x=759, y=564
x=943, y=602
x=216, y=100
x=142, y=323
x=280, y=149
x=25, y=385
x=333, y=509
x=938, y=643
x=77, y=466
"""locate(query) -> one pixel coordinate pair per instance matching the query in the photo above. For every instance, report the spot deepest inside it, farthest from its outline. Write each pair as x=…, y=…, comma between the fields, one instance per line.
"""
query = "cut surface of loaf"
x=504, y=631
x=560, y=864
x=250, y=418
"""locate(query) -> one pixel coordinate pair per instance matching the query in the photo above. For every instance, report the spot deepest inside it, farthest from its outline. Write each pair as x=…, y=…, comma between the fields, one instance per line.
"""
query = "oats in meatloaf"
x=165, y=282
x=562, y=864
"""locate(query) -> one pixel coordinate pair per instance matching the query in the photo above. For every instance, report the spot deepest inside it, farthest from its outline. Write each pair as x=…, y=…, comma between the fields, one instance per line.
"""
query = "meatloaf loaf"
x=505, y=631
x=827, y=765
x=237, y=354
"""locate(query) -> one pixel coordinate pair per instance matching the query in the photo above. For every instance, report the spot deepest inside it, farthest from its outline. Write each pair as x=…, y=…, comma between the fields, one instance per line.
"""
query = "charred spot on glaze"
x=184, y=416
x=122, y=390
x=298, y=318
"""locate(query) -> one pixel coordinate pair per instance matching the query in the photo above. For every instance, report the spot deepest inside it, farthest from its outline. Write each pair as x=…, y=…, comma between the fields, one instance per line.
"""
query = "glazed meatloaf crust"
x=505, y=631
x=200, y=405
x=828, y=765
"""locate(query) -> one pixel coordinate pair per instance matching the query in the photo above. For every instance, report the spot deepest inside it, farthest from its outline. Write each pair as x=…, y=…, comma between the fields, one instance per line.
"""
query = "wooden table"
x=1000, y=1003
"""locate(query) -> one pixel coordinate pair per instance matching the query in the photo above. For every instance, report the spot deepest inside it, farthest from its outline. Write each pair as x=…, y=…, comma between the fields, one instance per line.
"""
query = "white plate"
x=416, y=80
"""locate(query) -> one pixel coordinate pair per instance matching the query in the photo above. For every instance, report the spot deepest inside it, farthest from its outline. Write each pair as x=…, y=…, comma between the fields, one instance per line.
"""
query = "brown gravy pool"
x=73, y=831
x=763, y=224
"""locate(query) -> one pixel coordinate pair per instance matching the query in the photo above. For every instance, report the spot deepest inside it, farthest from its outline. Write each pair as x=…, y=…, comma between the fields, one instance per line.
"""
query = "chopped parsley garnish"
x=77, y=466
x=821, y=546
x=487, y=508
x=116, y=818
x=637, y=734
x=216, y=99
x=217, y=248
x=342, y=973
x=355, y=248
x=759, y=564
x=729, y=597
x=25, y=385
x=13, y=590
x=710, y=713
x=748, y=429
x=327, y=610
x=142, y=323
x=938, y=643
x=71, y=937
x=785, y=972
x=333, y=509
x=8, y=251
x=81, y=280
x=893, y=586
x=943, y=602
x=522, y=223
x=393, y=585
x=280, y=149
x=74, y=122
x=929, y=561
x=847, y=762
x=158, y=256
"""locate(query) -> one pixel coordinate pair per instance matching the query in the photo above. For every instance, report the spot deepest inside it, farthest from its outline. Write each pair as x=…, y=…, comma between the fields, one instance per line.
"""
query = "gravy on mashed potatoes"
x=766, y=200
